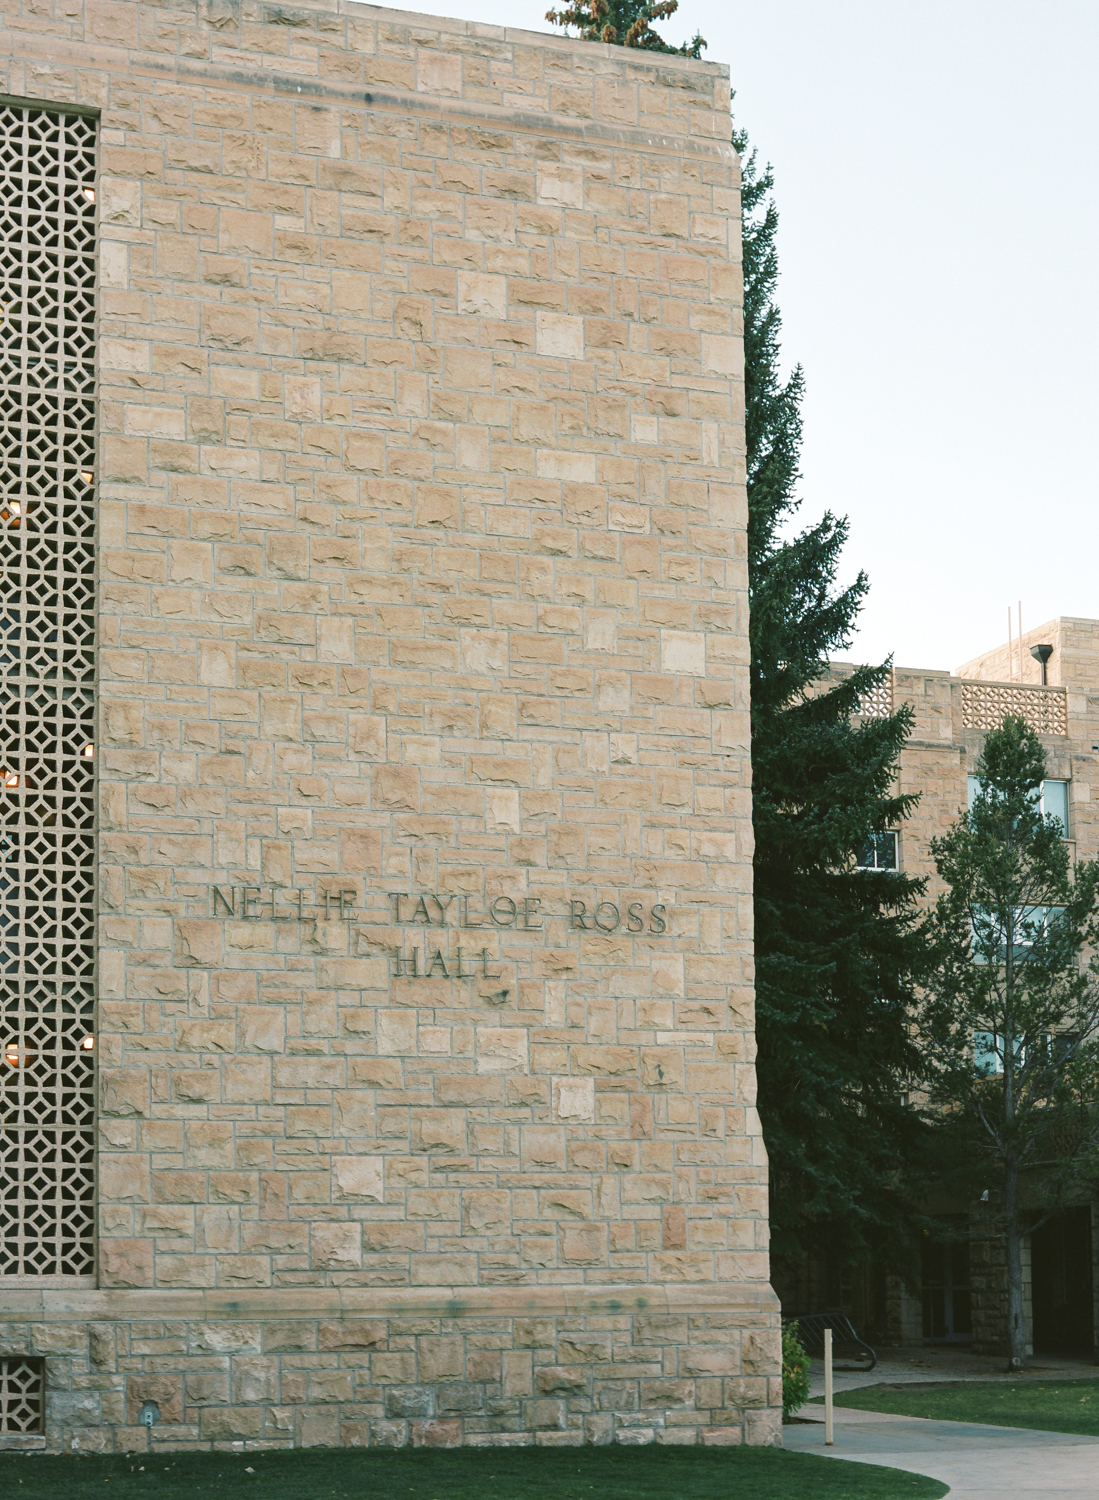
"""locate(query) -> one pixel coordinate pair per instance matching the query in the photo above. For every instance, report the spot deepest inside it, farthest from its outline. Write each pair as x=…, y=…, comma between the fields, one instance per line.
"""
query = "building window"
x=1054, y=803
x=1030, y=924
x=988, y=1050
x=47, y=580
x=879, y=852
x=1052, y=799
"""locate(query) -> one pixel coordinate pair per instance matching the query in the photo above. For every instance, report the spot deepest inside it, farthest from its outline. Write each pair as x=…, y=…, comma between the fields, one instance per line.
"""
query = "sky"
x=936, y=177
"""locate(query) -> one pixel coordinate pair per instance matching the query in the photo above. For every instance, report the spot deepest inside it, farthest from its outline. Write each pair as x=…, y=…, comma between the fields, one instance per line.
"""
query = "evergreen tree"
x=1010, y=1023
x=625, y=22
x=838, y=951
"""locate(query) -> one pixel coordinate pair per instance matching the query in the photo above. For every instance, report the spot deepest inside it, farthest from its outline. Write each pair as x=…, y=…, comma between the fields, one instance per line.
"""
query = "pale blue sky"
x=936, y=176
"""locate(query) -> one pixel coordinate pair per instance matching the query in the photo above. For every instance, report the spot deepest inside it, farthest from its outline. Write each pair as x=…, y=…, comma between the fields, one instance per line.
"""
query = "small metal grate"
x=22, y=1394
x=47, y=669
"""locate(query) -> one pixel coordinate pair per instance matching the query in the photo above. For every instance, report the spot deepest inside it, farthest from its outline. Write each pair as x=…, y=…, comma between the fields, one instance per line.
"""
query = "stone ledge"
x=82, y=1305
x=138, y=64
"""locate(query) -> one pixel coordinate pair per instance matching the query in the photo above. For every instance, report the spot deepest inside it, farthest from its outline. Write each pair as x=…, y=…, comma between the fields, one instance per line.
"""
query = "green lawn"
x=1052, y=1405
x=615, y=1473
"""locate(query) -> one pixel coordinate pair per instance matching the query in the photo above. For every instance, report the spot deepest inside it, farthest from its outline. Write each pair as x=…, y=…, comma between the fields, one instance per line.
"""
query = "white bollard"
x=828, y=1388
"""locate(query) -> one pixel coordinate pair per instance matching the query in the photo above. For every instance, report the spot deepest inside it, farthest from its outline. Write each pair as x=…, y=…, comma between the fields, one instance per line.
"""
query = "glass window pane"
x=1055, y=802
x=986, y=1053
x=879, y=852
x=973, y=787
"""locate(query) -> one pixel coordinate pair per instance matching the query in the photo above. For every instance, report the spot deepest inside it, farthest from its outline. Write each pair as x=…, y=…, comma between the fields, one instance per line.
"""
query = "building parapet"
x=986, y=704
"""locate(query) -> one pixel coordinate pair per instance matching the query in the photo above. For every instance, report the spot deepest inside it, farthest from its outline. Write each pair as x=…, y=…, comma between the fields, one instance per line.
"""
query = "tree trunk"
x=1016, y=1323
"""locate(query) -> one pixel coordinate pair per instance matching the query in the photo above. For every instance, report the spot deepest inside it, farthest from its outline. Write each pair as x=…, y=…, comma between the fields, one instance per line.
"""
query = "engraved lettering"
x=577, y=913
x=421, y=906
x=347, y=904
x=255, y=900
x=466, y=922
x=508, y=918
x=530, y=911
x=438, y=959
x=442, y=903
x=402, y=959
x=484, y=966
x=395, y=897
x=658, y=924
x=633, y=917
x=607, y=925
x=228, y=904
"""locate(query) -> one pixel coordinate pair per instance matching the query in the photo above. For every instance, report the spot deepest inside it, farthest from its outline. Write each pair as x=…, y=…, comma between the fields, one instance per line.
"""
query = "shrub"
x=795, y=1372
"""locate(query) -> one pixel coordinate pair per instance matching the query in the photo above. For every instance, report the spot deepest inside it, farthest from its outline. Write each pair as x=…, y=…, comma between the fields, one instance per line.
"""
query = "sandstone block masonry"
x=425, y=1032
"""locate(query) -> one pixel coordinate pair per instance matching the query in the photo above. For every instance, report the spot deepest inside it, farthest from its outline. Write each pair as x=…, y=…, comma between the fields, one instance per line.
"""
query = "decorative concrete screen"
x=985, y=705
x=47, y=580
x=422, y=817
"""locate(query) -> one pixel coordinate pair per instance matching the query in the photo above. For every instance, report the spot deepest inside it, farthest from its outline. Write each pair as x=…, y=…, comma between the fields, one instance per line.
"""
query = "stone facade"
x=425, y=1033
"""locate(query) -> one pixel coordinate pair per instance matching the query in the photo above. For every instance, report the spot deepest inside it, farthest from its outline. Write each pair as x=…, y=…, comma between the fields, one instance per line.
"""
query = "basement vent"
x=22, y=1394
x=47, y=670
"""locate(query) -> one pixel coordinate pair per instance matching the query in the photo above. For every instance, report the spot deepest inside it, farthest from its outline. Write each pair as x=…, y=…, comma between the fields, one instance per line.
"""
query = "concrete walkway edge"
x=977, y=1461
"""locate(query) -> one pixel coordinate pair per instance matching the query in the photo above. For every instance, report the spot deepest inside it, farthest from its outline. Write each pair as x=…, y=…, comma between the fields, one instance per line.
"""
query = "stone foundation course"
x=430, y=1369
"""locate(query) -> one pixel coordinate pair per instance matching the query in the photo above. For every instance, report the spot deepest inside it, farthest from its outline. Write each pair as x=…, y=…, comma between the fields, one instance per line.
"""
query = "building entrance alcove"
x=946, y=1293
x=1061, y=1273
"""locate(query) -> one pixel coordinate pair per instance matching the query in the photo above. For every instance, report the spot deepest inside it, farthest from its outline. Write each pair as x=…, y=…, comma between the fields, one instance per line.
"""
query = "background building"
x=962, y=1294
x=377, y=831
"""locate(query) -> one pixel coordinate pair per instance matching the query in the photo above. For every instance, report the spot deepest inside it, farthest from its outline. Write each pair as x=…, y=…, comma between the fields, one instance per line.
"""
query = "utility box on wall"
x=413, y=788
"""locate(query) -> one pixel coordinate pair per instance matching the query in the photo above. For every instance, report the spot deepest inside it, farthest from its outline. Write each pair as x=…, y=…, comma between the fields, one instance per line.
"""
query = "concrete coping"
x=88, y=1305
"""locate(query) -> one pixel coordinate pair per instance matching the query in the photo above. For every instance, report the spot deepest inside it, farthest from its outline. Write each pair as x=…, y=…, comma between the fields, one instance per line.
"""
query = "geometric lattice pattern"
x=22, y=1393
x=47, y=673
x=985, y=705
x=877, y=702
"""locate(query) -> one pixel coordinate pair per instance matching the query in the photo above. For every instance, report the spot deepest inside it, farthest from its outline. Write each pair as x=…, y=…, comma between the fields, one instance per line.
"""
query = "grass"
x=643, y=1473
x=1048, y=1405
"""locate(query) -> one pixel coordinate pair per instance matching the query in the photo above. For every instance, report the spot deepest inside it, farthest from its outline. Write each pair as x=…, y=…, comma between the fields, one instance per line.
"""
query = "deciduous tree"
x=1010, y=1025
x=625, y=22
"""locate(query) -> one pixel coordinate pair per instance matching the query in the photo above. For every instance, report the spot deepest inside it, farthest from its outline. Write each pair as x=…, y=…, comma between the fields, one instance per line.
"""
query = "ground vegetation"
x=1045, y=1405
x=649, y=1472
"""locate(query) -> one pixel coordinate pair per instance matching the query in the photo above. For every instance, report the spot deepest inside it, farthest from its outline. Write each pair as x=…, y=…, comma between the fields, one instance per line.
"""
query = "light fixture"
x=1041, y=655
x=87, y=476
x=88, y=1044
x=11, y=778
x=89, y=194
x=14, y=511
x=88, y=752
x=11, y=1054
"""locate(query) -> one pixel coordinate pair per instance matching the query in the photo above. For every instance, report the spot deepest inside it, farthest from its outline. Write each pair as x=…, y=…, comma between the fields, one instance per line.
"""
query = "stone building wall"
x=425, y=1032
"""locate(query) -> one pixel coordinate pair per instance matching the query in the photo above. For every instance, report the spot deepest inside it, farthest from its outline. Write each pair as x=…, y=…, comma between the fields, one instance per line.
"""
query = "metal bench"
x=846, y=1343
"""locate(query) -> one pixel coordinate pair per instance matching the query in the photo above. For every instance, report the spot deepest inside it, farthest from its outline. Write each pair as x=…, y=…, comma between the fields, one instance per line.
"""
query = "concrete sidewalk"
x=978, y=1462
x=925, y=1364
